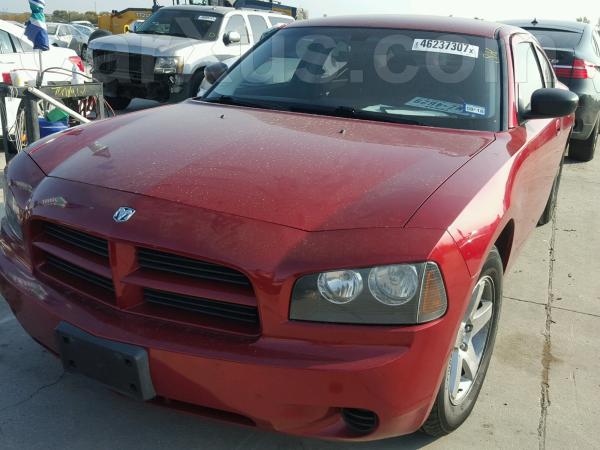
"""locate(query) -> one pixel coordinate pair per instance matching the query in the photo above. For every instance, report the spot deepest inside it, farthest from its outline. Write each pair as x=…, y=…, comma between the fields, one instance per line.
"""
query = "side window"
x=596, y=39
x=547, y=70
x=258, y=25
x=528, y=75
x=278, y=20
x=5, y=43
x=237, y=23
x=62, y=31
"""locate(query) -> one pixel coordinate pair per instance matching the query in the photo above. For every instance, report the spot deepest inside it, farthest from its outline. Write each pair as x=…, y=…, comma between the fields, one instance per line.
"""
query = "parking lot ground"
x=542, y=391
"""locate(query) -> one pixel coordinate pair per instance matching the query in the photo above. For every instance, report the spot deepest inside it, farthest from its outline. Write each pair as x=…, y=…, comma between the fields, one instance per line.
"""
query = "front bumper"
x=293, y=377
x=156, y=87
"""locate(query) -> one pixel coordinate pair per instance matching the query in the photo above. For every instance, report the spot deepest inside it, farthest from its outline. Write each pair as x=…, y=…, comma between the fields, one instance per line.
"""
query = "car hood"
x=308, y=172
x=145, y=44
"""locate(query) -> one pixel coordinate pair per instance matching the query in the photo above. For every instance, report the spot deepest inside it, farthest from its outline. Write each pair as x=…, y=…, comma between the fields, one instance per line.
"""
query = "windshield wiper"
x=352, y=113
x=236, y=101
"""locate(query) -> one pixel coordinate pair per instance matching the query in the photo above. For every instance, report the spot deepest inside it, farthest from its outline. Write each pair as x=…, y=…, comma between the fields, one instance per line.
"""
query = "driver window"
x=5, y=43
x=528, y=75
x=237, y=23
x=548, y=71
x=62, y=31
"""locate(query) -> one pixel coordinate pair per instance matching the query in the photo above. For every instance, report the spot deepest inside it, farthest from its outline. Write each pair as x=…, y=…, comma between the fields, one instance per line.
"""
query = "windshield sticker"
x=492, y=55
x=474, y=109
x=437, y=105
x=448, y=47
x=207, y=18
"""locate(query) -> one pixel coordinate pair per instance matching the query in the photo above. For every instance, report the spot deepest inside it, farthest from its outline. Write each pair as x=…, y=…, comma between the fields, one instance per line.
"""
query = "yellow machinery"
x=118, y=22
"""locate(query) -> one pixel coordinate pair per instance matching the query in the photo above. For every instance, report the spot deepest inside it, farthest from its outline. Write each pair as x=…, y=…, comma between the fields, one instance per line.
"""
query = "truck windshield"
x=199, y=25
x=405, y=76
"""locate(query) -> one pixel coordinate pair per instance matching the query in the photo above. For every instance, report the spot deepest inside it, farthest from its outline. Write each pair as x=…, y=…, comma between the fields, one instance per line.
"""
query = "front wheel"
x=471, y=354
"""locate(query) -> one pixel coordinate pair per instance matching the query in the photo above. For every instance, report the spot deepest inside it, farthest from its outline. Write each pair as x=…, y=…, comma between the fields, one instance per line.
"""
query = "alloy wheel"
x=471, y=341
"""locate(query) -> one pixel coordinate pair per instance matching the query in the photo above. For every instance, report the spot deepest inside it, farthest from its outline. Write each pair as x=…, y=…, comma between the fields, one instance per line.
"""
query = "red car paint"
x=250, y=190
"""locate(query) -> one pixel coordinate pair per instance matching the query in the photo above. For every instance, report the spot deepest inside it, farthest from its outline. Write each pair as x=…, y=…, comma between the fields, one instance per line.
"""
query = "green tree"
x=60, y=15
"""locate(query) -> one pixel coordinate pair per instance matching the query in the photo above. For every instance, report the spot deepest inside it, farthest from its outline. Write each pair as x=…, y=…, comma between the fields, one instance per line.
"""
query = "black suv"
x=574, y=50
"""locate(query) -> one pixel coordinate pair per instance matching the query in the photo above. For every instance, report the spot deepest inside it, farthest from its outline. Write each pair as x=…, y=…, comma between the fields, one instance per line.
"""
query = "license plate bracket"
x=121, y=367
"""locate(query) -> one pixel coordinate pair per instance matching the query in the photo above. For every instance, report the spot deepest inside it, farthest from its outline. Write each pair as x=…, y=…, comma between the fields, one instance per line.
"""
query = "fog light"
x=360, y=421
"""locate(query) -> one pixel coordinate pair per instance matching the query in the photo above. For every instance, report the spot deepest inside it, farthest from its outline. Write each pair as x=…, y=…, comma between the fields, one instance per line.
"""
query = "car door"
x=224, y=50
x=64, y=35
x=543, y=140
x=9, y=62
x=258, y=26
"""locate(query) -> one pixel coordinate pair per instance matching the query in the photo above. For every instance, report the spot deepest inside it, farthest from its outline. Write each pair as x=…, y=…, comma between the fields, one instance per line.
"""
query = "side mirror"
x=551, y=103
x=215, y=71
x=233, y=37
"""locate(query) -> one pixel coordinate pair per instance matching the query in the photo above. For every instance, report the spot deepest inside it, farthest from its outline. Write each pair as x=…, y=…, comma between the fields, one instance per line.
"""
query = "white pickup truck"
x=18, y=59
x=165, y=58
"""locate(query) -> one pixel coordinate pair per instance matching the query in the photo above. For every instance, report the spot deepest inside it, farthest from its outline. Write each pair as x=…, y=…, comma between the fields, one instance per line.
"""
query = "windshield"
x=404, y=76
x=83, y=30
x=556, y=38
x=199, y=24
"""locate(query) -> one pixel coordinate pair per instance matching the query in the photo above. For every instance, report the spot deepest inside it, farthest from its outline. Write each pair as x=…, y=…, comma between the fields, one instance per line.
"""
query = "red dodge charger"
x=316, y=246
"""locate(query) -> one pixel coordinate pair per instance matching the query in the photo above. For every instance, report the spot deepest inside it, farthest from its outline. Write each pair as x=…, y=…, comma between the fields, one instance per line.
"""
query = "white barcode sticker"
x=475, y=109
x=449, y=47
x=207, y=18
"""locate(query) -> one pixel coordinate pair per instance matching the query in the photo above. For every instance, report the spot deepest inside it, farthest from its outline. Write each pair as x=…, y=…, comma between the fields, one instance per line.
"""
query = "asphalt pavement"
x=542, y=390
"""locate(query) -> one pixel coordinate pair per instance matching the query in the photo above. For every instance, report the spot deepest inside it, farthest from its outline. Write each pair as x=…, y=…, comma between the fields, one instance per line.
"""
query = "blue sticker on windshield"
x=475, y=109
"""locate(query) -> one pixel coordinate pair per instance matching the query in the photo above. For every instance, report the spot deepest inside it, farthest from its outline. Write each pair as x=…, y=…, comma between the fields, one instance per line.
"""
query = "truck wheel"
x=584, y=150
x=118, y=103
x=471, y=354
x=195, y=83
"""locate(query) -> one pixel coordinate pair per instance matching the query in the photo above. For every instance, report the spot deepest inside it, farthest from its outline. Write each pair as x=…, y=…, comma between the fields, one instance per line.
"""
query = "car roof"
x=563, y=25
x=12, y=28
x=442, y=24
x=215, y=9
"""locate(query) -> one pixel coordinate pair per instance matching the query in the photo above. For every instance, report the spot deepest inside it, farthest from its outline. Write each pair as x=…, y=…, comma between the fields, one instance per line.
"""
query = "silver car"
x=67, y=36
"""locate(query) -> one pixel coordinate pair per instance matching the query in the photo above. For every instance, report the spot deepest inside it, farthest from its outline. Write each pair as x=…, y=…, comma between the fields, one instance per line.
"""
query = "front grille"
x=78, y=239
x=77, y=272
x=360, y=421
x=222, y=310
x=134, y=64
x=179, y=265
x=147, y=282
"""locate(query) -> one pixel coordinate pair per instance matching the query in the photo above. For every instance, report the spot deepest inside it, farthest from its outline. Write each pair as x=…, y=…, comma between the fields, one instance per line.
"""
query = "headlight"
x=169, y=65
x=13, y=214
x=401, y=294
x=340, y=287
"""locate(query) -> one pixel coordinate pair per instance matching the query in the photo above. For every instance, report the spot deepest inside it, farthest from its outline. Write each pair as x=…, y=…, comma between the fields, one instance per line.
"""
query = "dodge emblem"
x=123, y=214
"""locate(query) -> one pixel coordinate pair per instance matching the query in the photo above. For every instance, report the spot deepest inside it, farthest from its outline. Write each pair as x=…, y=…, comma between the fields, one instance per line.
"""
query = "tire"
x=118, y=103
x=192, y=88
x=548, y=213
x=451, y=409
x=584, y=150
